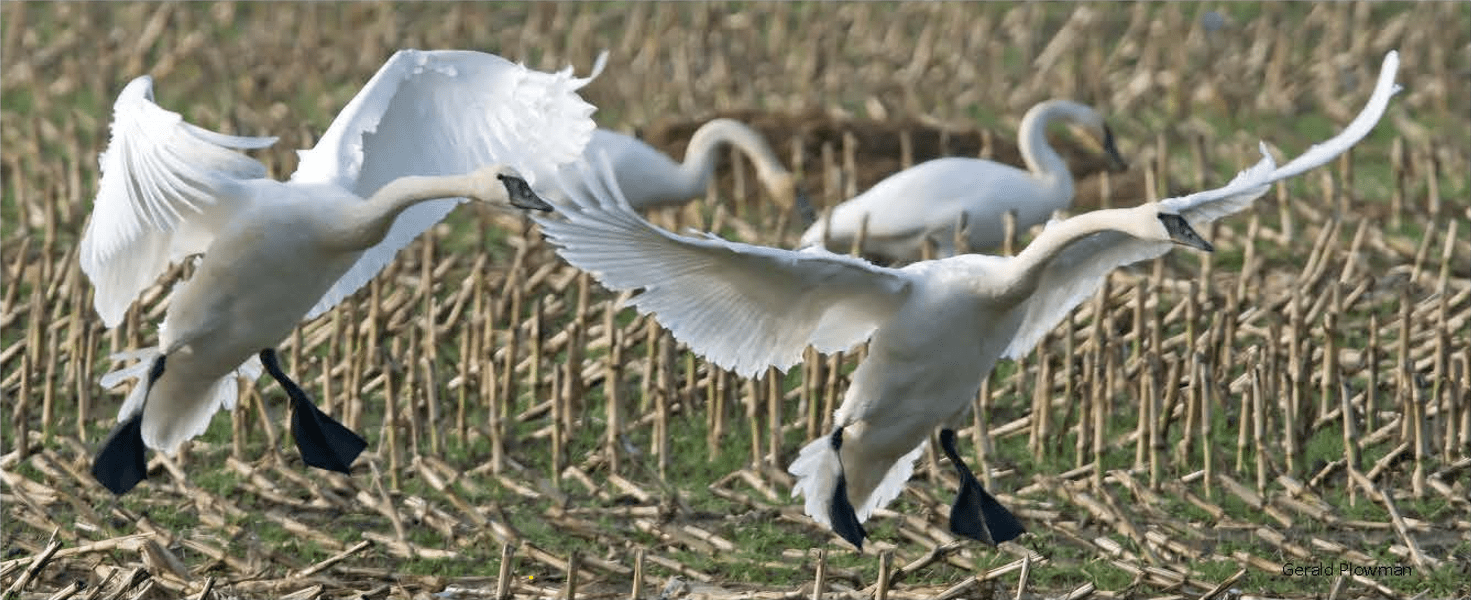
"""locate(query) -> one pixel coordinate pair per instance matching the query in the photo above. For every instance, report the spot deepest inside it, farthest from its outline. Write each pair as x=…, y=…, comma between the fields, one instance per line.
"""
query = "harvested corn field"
x=1244, y=423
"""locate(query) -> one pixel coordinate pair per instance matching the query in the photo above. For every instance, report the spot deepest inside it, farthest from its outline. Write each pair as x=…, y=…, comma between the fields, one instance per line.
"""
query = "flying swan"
x=429, y=130
x=935, y=328
x=924, y=202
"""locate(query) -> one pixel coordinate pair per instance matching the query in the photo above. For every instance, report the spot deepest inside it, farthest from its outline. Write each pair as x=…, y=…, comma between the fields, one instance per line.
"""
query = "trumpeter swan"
x=935, y=327
x=650, y=179
x=390, y=166
x=924, y=202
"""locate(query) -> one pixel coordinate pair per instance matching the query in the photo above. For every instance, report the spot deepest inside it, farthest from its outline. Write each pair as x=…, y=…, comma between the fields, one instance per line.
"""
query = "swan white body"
x=935, y=328
x=651, y=179
x=925, y=202
x=391, y=165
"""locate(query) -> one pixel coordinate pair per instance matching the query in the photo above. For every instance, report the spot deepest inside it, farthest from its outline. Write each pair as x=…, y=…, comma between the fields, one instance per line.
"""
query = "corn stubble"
x=1304, y=394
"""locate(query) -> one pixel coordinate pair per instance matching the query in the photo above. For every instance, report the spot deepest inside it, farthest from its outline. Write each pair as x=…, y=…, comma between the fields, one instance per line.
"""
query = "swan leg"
x=840, y=511
x=976, y=514
x=805, y=210
x=323, y=442
x=122, y=463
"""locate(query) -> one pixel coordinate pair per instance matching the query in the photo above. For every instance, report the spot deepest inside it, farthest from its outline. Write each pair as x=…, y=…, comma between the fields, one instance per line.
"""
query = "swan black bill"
x=521, y=195
x=123, y=462
x=1117, y=160
x=840, y=511
x=1182, y=233
x=976, y=514
x=323, y=442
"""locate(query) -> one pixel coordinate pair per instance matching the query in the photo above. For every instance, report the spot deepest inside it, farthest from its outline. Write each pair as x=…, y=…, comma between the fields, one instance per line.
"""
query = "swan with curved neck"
x=924, y=203
x=651, y=179
x=935, y=328
x=273, y=253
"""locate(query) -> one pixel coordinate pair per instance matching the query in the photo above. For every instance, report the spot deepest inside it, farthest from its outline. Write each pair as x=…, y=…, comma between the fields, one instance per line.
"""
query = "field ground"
x=1299, y=398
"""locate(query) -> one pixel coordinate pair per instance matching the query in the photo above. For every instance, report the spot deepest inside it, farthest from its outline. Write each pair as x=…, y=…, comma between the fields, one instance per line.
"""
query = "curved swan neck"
x=699, y=157
x=367, y=223
x=1042, y=161
x=1059, y=236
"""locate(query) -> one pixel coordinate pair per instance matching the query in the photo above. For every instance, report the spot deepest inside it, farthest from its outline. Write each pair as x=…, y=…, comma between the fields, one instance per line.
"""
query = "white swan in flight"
x=935, y=328
x=924, y=202
x=392, y=164
x=651, y=179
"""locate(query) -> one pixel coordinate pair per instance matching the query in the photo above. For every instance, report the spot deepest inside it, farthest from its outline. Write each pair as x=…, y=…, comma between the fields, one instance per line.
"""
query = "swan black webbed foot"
x=976, y=514
x=840, y=511
x=323, y=442
x=122, y=461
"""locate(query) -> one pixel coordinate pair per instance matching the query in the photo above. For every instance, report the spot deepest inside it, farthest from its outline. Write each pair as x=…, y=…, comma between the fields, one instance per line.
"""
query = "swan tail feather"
x=174, y=419
x=818, y=468
x=891, y=485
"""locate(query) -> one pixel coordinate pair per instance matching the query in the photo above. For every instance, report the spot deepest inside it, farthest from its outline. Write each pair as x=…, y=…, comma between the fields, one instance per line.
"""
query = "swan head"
x=1090, y=122
x=503, y=184
x=1178, y=230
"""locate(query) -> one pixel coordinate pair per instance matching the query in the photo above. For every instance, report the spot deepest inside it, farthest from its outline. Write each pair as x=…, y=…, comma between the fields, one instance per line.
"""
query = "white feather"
x=649, y=178
x=140, y=225
x=1079, y=272
x=273, y=250
x=816, y=469
x=744, y=307
x=444, y=113
x=936, y=328
x=925, y=202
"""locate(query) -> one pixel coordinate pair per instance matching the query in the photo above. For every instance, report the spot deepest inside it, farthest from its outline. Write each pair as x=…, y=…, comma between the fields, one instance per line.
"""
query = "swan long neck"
x=1059, y=236
x=368, y=222
x=1042, y=161
x=699, y=157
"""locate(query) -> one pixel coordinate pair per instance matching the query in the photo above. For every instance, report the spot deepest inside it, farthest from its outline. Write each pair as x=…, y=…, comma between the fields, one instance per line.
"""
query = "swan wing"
x=1204, y=207
x=164, y=194
x=743, y=307
x=1078, y=271
x=445, y=113
x=647, y=176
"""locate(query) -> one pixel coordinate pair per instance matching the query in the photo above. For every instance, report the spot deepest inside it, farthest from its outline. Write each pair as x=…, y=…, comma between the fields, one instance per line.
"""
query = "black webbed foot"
x=840, y=511
x=122, y=462
x=323, y=442
x=976, y=514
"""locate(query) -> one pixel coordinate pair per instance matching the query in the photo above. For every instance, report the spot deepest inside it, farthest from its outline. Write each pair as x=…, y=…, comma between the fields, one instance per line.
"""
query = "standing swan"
x=936, y=328
x=389, y=167
x=650, y=179
x=924, y=202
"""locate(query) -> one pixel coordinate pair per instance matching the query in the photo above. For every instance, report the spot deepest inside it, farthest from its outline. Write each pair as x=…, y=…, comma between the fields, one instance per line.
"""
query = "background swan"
x=274, y=252
x=651, y=179
x=925, y=201
x=936, y=328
